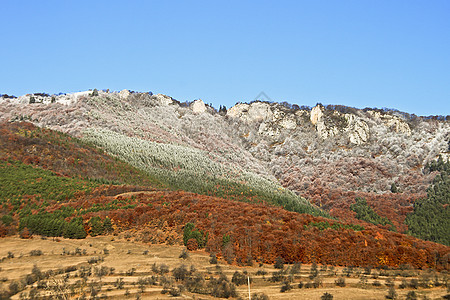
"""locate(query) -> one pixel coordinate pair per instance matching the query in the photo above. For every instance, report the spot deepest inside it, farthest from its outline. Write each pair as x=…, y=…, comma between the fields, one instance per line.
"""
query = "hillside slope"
x=37, y=200
x=329, y=155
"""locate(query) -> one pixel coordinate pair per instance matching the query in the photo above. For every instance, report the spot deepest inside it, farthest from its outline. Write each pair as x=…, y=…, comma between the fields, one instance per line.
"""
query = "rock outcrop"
x=198, y=106
x=162, y=99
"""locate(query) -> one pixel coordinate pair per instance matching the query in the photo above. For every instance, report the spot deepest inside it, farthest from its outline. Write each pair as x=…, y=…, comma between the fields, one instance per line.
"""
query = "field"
x=118, y=267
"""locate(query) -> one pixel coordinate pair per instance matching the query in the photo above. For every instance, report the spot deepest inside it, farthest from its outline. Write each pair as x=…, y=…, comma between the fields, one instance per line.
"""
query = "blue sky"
x=358, y=53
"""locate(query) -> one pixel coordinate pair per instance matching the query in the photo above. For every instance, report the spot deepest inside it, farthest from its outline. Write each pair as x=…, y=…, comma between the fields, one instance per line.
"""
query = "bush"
x=392, y=294
x=239, y=278
x=411, y=295
x=313, y=272
x=389, y=282
x=277, y=276
x=286, y=287
x=175, y=291
x=30, y=279
x=367, y=270
x=213, y=259
x=317, y=282
x=35, y=252
x=180, y=273
x=279, y=263
x=222, y=288
x=36, y=272
x=163, y=269
x=376, y=283
x=295, y=269
x=259, y=296
x=403, y=285
x=414, y=283
x=340, y=282
x=184, y=254
x=119, y=283
x=326, y=296
x=94, y=260
x=196, y=283
x=142, y=282
x=14, y=287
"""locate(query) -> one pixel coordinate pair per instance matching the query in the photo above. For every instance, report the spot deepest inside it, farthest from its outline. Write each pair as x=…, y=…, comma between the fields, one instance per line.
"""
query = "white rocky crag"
x=358, y=130
x=394, y=122
x=273, y=118
x=198, y=106
x=255, y=112
x=124, y=94
x=316, y=114
x=65, y=99
x=163, y=99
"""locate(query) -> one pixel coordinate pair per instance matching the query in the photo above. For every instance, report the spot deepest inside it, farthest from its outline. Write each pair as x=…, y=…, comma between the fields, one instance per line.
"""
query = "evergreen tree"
x=430, y=219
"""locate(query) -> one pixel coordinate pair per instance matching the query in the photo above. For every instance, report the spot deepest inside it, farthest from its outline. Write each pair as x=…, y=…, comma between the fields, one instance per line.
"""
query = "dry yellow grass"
x=123, y=256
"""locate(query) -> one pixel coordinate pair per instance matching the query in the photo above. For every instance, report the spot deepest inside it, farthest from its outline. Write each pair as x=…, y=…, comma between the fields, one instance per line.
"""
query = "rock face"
x=255, y=112
x=274, y=119
x=124, y=94
x=288, y=123
x=393, y=122
x=162, y=99
x=316, y=114
x=358, y=130
x=65, y=99
x=198, y=107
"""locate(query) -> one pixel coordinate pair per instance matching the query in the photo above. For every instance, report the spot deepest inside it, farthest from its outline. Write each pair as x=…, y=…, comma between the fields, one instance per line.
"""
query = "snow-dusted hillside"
x=323, y=147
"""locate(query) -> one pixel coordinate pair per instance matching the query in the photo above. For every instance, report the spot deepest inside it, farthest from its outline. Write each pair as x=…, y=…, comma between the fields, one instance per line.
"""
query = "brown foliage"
x=192, y=244
x=263, y=233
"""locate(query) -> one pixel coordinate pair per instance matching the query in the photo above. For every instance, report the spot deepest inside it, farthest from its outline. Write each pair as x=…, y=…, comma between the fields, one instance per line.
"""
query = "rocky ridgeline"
x=333, y=147
x=275, y=117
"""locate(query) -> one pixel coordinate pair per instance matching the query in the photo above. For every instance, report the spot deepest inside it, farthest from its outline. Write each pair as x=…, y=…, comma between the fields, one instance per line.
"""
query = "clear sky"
x=360, y=53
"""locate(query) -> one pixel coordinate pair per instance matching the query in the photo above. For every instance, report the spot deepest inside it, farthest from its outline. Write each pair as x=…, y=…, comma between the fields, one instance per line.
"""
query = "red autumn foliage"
x=262, y=233
x=25, y=234
x=192, y=244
